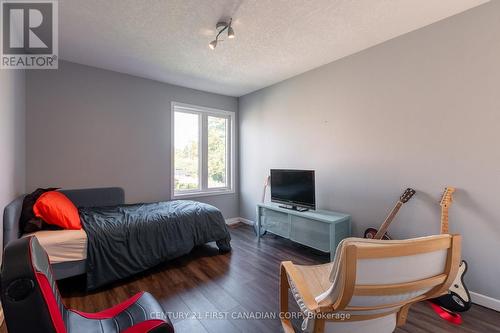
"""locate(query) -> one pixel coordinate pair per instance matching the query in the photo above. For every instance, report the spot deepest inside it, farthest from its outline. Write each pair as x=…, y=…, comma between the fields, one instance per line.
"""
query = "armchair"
x=370, y=285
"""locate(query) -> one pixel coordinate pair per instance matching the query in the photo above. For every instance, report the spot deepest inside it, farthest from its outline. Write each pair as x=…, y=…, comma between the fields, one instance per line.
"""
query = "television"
x=294, y=188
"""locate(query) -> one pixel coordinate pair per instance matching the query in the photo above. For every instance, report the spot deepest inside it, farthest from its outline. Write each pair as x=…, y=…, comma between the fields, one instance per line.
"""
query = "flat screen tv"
x=294, y=188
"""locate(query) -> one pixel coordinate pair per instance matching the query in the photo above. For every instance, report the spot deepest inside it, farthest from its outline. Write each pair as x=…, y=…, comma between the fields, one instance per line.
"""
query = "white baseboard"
x=234, y=220
x=486, y=301
x=245, y=221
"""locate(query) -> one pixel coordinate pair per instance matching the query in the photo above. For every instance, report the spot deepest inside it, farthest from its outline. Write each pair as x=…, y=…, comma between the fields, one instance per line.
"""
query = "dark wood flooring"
x=200, y=288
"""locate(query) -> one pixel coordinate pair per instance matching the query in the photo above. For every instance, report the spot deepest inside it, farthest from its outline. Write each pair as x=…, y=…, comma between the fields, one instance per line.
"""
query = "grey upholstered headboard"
x=92, y=197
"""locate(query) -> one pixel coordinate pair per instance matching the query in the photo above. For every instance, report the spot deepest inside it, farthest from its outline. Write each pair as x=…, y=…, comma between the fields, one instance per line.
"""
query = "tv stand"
x=298, y=209
x=320, y=229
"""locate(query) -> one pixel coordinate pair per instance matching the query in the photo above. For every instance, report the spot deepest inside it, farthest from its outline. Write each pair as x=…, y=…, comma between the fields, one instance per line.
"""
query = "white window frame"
x=204, y=113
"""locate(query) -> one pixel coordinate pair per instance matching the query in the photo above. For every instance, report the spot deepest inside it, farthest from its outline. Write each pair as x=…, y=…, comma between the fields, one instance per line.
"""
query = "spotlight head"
x=230, y=32
x=212, y=44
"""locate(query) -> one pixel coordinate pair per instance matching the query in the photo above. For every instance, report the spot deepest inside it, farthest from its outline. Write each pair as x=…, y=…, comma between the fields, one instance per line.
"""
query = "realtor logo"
x=29, y=34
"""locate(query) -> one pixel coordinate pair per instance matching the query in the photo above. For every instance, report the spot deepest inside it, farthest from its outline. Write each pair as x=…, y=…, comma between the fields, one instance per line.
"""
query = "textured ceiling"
x=166, y=40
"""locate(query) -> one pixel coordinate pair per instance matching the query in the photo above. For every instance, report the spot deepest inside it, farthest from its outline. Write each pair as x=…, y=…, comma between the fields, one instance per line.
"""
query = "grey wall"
x=12, y=137
x=88, y=127
x=422, y=110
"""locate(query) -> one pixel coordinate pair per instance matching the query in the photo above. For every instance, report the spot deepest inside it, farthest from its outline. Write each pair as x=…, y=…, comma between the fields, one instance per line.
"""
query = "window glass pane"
x=217, y=152
x=187, y=151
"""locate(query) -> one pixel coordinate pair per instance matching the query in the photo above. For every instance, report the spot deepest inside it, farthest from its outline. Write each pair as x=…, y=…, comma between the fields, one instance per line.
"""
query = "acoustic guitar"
x=458, y=298
x=382, y=232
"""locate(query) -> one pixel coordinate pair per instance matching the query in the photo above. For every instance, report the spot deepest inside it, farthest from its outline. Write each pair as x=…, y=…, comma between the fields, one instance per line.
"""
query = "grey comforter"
x=127, y=239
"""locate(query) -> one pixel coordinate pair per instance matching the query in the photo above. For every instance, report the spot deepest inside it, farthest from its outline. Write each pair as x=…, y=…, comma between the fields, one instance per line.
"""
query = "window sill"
x=189, y=195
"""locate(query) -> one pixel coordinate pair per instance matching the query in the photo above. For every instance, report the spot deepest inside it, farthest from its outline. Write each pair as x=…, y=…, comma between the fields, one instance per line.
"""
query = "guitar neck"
x=388, y=220
x=444, y=220
x=446, y=200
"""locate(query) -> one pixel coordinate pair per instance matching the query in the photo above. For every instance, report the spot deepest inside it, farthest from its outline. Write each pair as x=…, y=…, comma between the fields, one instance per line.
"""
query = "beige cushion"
x=316, y=277
x=384, y=271
x=384, y=324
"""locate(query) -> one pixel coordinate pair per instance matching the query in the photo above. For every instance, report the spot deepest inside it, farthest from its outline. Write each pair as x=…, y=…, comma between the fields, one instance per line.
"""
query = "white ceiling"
x=167, y=40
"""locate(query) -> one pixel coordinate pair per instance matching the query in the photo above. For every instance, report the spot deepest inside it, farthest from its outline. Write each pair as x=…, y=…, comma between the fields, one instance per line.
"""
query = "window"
x=202, y=151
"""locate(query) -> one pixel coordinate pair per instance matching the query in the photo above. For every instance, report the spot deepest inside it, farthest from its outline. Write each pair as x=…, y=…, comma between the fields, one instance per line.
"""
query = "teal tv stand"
x=320, y=229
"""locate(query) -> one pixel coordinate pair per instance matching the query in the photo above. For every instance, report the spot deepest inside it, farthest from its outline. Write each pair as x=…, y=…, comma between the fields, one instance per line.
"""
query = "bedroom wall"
x=88, y=127
x=12, y=138
x=421, y=110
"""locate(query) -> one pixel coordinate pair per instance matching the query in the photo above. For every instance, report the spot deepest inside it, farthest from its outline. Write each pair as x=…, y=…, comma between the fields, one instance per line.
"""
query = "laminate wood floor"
x=209, y=292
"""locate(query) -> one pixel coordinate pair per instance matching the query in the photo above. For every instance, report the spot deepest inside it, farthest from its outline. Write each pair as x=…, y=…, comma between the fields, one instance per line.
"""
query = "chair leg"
x=319, y=326
x=402, y=315
x=284, y=286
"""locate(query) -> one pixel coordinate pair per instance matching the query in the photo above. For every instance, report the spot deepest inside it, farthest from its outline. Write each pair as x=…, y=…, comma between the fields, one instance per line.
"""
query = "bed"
x=119, y=240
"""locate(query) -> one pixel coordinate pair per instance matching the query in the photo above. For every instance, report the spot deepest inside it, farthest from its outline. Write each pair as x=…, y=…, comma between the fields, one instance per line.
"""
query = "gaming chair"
x=32, y=303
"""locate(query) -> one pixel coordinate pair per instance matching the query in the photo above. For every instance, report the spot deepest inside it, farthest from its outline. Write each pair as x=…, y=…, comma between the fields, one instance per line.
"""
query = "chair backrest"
x=372, y=278
x=30, y=298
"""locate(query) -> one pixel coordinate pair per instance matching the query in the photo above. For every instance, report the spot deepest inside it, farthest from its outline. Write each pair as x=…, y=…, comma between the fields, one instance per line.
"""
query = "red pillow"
x=55, y=208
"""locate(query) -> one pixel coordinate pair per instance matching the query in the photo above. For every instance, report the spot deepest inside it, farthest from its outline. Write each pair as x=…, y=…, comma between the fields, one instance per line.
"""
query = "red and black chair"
x=32, y=303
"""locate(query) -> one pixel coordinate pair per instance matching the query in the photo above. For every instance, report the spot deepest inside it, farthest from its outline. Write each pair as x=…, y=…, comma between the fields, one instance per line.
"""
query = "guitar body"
x=458, y=298
x=370, y=233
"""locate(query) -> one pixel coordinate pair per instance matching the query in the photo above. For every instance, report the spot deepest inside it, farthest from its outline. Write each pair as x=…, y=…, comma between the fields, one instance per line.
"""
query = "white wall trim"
x=234, y=220
x=245, y=221
x=486, y=301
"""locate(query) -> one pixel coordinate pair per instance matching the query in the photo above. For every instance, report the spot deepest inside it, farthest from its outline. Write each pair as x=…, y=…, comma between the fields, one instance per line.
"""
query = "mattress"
x=63, y=245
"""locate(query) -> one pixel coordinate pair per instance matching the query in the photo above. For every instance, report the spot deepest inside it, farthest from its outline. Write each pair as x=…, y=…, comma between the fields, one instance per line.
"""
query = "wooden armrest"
x=291, y=272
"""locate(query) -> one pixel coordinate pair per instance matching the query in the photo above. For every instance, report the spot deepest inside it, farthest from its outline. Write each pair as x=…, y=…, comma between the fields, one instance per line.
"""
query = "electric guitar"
x=382, y=232
x=458, y=298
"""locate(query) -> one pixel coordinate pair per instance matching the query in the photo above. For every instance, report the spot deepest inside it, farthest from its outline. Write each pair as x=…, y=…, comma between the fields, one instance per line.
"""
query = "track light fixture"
x=230, y=32
x=221, y=27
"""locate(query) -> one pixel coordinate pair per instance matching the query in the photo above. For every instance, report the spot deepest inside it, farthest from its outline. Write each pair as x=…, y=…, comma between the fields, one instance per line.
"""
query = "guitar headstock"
x=267, y=181
x=407, y=194
x=447, y=197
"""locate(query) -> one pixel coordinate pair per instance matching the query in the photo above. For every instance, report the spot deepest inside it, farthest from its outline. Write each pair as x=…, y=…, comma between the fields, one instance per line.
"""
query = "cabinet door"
x=277, y=223
x=342, y=230
x=311, y=233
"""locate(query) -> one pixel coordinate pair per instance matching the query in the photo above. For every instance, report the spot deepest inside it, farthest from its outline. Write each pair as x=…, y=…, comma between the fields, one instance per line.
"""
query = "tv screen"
x=293, y=187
